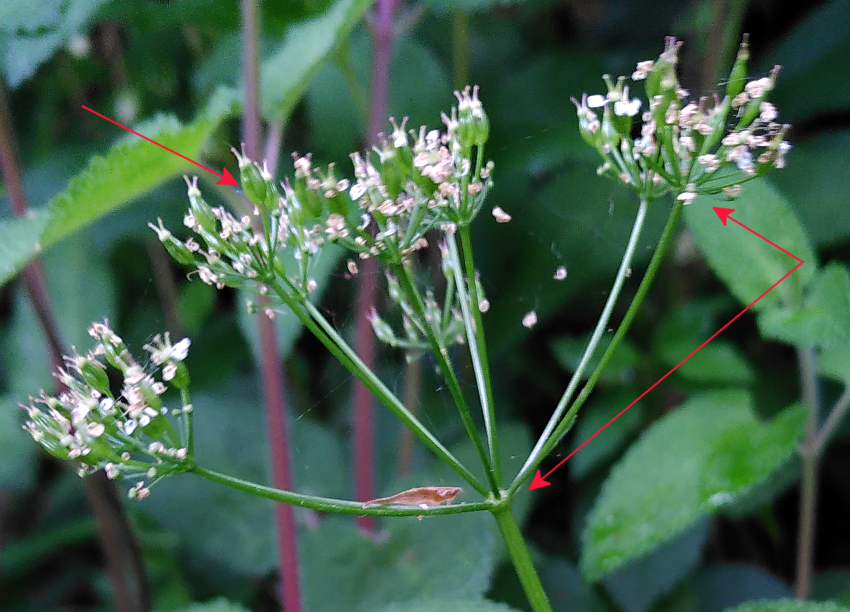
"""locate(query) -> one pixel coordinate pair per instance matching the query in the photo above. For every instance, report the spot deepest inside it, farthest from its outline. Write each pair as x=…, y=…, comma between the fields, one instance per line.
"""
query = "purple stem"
x=271, y=363
x=364, y=338
x=123, y=556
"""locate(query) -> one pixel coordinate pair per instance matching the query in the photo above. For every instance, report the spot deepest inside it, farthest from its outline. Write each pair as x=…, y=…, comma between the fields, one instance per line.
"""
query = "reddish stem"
x=123, y=556
x=271, y=363
x=364, y=339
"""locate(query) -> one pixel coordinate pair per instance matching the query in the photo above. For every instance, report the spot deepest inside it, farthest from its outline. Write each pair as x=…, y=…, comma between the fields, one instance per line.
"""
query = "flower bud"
x=257, y=185
x=738, y=76
x=178, y=251
x=383, y=331
x=473, y=126
x=94, y=375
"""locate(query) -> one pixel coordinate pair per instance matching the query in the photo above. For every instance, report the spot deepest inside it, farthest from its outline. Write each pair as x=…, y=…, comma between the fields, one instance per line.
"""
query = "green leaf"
x=134, y=166
x=216, y=605
x=746, y=263
x=568, y=351
x=231, y=437
x=689, y=464
x=636, y=586
x=834, y=363
x=788, y=605
x=19, y=242
x=82, y=291
x=815, y=181
x=448, y=605
x=17, y=449
x=285, y=75
x=824, y=319
x=440, y=558
x=467, y=6
x=812, y=54
x=832, y=584
x=686, y=328
x=599, y=412
x=29, y=37
x=728, y=584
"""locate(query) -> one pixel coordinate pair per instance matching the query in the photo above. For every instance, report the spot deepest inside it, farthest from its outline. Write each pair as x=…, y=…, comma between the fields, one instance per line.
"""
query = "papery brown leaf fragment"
x=419, y=496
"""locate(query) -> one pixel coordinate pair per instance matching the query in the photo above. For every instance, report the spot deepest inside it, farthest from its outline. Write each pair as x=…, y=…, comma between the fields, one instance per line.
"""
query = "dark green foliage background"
x=727, y=424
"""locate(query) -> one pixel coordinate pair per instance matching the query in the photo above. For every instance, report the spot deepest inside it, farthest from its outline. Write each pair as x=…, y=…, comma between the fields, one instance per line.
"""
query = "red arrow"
x=540, y=481
x=224, y=179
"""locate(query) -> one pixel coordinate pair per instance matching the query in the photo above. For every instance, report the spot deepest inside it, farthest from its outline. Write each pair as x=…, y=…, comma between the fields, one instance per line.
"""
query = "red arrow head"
x=723, y=213
x=538, y=482
x=227, y=179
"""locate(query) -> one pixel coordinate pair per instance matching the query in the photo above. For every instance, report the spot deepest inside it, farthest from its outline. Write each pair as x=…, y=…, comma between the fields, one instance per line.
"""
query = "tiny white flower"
x=529, y=320
x=180, y=350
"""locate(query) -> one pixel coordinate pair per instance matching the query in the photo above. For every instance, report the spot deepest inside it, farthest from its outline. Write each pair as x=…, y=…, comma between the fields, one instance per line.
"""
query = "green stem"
x=475, y=339
x=521, y=559
x=548, y=444
x=539, y=450
x=313, y=320
x=188, y=422
x=441, y=354
x=808, y=486
x=338, y=506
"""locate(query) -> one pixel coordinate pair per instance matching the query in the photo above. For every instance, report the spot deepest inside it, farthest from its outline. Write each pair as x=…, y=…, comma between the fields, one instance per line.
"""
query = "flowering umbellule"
x=131, y=434
x=690, y=147
x=411, y=183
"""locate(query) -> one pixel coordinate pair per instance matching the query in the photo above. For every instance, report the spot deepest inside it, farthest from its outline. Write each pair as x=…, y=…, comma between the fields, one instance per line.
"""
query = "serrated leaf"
x=285, y=75
x=745, y=263
x=824, y=319
x=19, y=242
x=231, y=436
x=788, y=605
x=134, y=166
x=447, y=557
x=689, y=464
x=216, y=605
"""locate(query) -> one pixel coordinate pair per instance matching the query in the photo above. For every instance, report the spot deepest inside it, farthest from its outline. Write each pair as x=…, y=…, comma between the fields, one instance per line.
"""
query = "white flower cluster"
x=414, y=182
x=689, y=147
x=130, y=434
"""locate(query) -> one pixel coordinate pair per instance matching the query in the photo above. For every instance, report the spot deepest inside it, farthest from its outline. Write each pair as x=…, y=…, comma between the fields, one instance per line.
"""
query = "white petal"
x=595, y=101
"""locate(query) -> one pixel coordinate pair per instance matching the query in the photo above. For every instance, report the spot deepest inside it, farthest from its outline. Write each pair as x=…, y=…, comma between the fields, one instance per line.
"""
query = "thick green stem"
x=477, y=344
x=338, y=506
x=808, y=486
x=543, y=446
x=441, y=355
x=339, y=348
x=521, y=559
